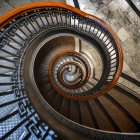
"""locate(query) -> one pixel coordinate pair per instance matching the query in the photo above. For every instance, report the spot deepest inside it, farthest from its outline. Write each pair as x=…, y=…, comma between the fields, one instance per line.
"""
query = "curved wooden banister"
x=9, y=16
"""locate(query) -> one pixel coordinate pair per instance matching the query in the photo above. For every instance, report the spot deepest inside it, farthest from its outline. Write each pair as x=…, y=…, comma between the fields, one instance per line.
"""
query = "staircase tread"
x=86, y=115
x=75, y=112
x=50, y=96
x=102, y=120
x=57, y=102
x=64, y=109
x=121, y=120
x=130, y=104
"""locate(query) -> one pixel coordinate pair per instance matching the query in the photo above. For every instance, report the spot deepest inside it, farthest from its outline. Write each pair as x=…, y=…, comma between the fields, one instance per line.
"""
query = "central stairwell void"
x=67, y=63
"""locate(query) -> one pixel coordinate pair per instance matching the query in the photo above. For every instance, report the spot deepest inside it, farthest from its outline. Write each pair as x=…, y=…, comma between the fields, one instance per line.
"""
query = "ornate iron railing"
x=19, y=28
x=37, y=19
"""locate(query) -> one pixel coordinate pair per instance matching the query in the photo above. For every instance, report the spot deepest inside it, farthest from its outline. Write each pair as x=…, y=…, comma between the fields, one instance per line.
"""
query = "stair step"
x=128, y=102
x=56, y=104
x=101, y=119
x=74, y=113
x=7, y=98
x=7, y=93
x=86, y=114
x=5, y=79
x=7, y=51
x=7, y=109
x=50, y=96
x=65, y=106
x=118, y=115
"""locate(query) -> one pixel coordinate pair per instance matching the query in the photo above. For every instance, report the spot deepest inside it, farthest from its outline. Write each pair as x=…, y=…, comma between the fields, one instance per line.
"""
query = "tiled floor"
x=137, y=3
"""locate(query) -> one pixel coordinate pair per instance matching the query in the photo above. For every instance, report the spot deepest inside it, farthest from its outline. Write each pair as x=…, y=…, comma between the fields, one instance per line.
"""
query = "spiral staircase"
x=59, y=69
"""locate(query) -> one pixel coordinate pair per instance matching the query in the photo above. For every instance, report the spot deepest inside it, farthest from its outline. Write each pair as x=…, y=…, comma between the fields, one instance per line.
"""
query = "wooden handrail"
x=7, y=17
